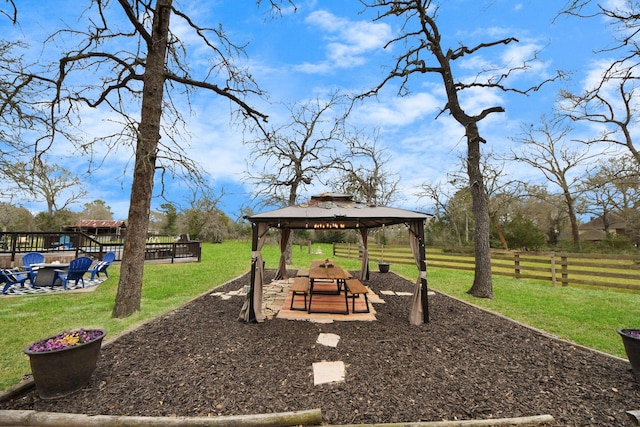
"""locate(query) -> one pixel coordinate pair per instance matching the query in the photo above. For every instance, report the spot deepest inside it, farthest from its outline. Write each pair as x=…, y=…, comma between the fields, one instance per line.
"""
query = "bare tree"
x=129, y=67
x=501, y=193
x=287, y=159
x=203, y=219
x=501, y=190
x=14, y=217
x=548, y=149
x=57, y=187
x=452, y=206
x=293, y=156
x=421, y=52
x=624, y=19
x=97, y=209
x=611, y=105
x=363, y=170
x=547, y=211
x=613, y=191
x=24, y=117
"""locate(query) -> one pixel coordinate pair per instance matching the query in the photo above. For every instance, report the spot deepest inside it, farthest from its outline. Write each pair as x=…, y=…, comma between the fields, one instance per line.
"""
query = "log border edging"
x=58, y=419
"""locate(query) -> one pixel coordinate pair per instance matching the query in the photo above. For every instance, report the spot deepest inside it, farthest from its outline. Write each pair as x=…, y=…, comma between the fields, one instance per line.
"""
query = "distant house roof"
x=100, y=223
x=616, y=222
x=593, y=235
x=97, y=226
x=594, y=230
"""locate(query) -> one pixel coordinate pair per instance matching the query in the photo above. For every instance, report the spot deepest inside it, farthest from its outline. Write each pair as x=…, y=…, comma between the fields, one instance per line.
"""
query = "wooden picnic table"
x=328, y=272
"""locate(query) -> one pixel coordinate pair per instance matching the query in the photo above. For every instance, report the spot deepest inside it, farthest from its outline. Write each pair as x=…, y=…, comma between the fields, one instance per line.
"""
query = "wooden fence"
x=69, y=245
x=559, y=268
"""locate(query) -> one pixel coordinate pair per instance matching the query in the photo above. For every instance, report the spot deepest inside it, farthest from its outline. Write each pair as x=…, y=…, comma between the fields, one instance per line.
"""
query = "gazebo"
x=334, y=211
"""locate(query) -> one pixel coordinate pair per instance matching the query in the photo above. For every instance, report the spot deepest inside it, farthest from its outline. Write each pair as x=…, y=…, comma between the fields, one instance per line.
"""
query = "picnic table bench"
x=355, y=288
x=300, y=287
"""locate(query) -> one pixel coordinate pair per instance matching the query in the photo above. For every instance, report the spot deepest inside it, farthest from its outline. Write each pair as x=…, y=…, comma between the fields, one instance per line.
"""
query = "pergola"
x=332, y=211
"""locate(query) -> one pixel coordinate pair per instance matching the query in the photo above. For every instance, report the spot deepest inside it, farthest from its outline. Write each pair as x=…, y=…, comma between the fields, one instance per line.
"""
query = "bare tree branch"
x=12, y=14
x=421, y=51
x=121, y=70
x=616, y=110
x=547, y=149
x=298, y=153
x=363, y=172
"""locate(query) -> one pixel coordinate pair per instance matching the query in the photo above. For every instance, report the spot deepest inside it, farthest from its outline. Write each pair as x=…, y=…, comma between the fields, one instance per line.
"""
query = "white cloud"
x=216, y=145
x=349, y=41
x=317, y=68
x=515, y=55
x=616, y=4
x=474, y=100
x=595, y=72
x=398, y=111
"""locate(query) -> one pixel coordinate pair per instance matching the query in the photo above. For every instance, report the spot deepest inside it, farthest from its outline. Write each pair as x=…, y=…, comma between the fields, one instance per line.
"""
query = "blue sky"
x=328, y=45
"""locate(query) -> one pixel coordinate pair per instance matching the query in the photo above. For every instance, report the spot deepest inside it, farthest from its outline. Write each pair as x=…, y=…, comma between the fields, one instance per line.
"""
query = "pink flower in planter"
x=66, y=340
x=634, y=333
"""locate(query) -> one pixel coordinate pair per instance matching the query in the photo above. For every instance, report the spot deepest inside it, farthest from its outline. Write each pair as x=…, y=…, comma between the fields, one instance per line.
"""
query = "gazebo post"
x=367, y=266
x=251, y=317
x=423, y=277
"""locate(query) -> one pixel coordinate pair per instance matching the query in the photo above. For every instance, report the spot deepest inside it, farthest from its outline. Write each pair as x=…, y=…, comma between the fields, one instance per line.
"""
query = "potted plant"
x=383, y=267
x=631, y=341
x=64, y=363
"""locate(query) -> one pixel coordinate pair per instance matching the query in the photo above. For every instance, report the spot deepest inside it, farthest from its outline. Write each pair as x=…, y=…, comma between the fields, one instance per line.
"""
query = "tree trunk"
x=482, y=282
x=130, y=285
x=575, y=233
x=456, y=230
x=503, y=239
x=293, y=195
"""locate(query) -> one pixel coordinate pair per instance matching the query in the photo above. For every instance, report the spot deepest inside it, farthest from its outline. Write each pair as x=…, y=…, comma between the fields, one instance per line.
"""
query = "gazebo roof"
x=335, y=211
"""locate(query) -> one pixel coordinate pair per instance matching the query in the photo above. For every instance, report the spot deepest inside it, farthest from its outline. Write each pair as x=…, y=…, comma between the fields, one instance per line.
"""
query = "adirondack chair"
x=76, y=271
x=28, y=261
x=63, y=243
x=10, y=278
x=101, y=266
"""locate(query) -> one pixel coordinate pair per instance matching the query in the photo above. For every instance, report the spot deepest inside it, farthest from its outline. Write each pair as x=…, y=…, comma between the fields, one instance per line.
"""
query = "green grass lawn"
x=584, y=316
x=166, y=286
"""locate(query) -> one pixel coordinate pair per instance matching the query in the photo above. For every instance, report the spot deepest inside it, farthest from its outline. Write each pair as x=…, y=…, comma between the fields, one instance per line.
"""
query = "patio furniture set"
x=307, y=284
x=40, y=273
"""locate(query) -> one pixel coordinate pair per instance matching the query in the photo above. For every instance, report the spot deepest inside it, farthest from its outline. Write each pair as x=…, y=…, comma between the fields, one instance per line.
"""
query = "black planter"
x=632, y=347
x=62, y=372
x=383, y=267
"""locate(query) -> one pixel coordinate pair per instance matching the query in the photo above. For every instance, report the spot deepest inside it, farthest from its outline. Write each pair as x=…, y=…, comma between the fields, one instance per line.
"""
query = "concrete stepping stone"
x=329, y=340
x=328, y=372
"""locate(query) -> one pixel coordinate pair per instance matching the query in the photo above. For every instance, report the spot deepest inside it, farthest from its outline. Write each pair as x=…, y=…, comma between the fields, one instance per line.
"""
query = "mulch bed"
x=465, y=364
